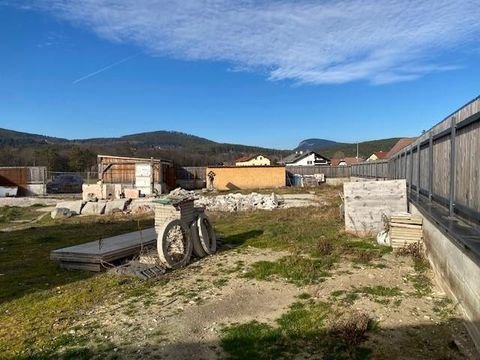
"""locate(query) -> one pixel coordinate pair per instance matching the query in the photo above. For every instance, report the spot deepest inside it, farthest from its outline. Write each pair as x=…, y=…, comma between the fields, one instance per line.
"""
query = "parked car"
x=65, y=184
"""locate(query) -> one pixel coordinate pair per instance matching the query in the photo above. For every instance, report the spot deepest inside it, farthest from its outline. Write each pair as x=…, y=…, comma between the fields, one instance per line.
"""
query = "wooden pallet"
x=92, y=255
x=405, y=229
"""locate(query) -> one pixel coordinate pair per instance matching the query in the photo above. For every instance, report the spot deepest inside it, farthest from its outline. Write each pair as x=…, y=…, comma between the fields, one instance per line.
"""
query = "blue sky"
x=266, y=73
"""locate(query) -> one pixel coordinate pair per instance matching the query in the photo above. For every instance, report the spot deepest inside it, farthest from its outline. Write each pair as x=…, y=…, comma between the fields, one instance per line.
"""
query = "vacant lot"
x=287, y=283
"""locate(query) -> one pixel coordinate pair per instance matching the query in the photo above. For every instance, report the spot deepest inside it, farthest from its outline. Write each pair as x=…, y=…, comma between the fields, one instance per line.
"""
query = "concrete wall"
x=36, y=189
x=336, y=181
x=247, y=177
x=457, y=272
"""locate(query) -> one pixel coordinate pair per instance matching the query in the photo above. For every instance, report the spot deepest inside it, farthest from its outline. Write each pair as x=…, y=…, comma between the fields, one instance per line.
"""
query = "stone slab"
x=74, y=206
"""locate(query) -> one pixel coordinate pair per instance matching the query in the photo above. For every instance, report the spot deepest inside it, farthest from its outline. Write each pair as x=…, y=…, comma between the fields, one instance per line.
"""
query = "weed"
x=421, y=283
x=325, y=247
x=443, y=308
x=219, y=283
x=304, y=296
x=346, y=297
x=351, y=328
x=380, y=291
x=295, y=269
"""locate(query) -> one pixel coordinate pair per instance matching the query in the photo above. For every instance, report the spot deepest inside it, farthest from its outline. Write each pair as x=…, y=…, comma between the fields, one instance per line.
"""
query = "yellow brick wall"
x=247, y=177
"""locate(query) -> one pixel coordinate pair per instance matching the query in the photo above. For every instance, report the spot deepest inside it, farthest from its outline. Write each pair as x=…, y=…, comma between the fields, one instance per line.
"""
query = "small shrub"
x=325, y=247
x=351, y=328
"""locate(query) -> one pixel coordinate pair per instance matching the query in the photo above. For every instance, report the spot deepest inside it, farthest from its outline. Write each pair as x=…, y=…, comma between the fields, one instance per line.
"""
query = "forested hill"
x=19, y=148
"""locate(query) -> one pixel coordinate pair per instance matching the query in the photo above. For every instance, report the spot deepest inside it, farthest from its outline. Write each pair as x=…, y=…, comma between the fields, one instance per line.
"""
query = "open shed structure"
x=149, y=176
x=26, y=180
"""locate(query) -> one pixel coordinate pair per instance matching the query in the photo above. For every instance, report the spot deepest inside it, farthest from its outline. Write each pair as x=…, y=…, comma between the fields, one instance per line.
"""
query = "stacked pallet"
x=94, y=255
x=405, y=229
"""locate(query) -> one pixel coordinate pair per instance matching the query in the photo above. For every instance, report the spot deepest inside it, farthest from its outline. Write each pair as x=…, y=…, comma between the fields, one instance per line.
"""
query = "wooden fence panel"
x=329, y=171
x=467, y=177
x=424, y=168
x=441, y=169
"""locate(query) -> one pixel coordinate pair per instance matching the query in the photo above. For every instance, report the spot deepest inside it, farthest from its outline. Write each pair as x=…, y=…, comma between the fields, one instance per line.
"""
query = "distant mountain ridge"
x=316, y=144
x=59, y=154
x=339, y=150
x=19, y=148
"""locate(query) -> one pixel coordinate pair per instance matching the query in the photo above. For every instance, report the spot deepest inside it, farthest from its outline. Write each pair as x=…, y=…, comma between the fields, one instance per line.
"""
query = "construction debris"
x=96, y=255
x=60, y=213
x=405, y=229
x=239, y=202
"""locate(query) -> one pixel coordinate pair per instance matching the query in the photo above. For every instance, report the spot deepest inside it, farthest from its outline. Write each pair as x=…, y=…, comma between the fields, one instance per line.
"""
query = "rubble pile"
x=239, y=202
x=230, y=202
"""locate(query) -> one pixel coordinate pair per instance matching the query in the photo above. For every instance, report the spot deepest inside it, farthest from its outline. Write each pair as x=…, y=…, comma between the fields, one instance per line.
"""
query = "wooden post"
x=418, y=170
x=152, y=177
x=452, y=167
x=430, y=167
x=411, y=170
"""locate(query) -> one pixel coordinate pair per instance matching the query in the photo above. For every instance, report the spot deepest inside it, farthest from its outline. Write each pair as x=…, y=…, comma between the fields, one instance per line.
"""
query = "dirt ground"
x=185, y=314
x=183, y=319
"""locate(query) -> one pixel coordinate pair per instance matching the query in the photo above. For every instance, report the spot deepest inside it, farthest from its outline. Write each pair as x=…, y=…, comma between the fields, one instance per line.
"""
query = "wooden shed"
x=30, y=180
x=147, y=175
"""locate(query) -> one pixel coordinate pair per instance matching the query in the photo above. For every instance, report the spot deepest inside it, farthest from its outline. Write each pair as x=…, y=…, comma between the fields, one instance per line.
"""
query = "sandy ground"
x=183, y=319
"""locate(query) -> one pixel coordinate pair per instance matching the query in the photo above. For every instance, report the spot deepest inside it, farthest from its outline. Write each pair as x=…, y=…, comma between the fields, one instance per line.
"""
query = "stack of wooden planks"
x=94, y=255
x=405, y=229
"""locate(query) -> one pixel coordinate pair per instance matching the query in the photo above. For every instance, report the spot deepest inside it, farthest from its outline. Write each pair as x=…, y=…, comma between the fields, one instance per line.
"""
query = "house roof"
x=380, y=154
x=248, y=157
x=348, y=160
x=399, y=146
x=298, y=156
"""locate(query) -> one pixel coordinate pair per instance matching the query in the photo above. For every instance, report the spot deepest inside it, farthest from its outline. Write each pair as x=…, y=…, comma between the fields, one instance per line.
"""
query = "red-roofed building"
x=252, y=160
x=402, y=143
x=346, y=161
x=377, y=155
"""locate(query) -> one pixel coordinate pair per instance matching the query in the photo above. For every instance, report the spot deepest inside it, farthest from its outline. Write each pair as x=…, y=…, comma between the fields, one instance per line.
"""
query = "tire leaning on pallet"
x=207, y=235
x=174, y=244
x=197, y=245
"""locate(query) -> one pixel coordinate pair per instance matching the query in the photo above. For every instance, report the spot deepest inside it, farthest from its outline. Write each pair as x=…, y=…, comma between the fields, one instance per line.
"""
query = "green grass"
x=302, y=329
x=14, y=215
x=39, y=301
x=421, y=284
x=379, y=291
x=444, y=308
x=295, y=269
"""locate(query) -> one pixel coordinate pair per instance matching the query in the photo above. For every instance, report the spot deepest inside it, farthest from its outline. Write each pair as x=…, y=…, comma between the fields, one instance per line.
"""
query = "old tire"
x=197, y=245
x=174, y=244
x=206, y=234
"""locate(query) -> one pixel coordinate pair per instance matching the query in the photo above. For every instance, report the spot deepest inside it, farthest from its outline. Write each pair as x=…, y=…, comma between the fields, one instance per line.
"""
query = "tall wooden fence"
x=442, y=165
x=329, y=171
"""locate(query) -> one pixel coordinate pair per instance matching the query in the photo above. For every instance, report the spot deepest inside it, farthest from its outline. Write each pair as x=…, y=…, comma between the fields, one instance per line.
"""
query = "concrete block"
x=366, y=202
x=91, y=192
x=74, y=206
x=94, y=208
x=60, y=213
x=115, y=205
x=131, y=193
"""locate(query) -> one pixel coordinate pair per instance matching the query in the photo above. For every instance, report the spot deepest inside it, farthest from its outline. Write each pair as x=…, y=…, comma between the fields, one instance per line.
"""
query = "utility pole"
x=357, y=152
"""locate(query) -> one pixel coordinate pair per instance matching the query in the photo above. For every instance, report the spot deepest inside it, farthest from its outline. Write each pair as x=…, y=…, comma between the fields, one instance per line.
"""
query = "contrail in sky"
x=104, y=68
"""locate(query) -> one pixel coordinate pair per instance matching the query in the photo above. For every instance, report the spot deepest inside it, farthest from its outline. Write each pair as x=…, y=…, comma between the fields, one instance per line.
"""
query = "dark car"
x=65, y=184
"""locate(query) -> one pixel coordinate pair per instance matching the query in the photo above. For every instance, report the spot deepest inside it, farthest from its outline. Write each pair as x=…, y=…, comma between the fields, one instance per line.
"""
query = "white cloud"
x=314, y=42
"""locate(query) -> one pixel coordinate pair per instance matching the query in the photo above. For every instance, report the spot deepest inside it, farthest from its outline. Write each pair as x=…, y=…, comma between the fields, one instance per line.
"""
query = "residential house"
x=402, y=143
x=378, y=155
x=305, y=158
x=345, y=161
x=253, y=160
